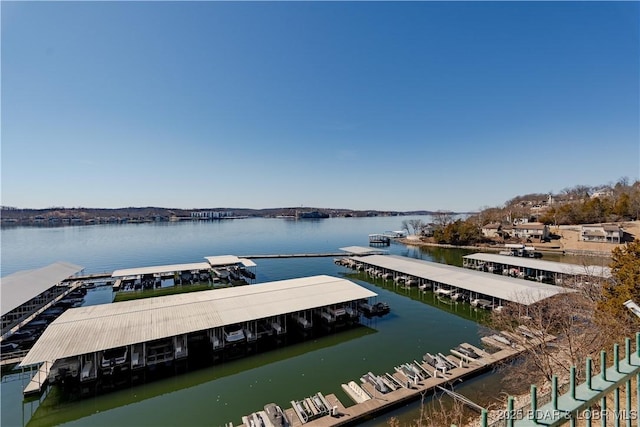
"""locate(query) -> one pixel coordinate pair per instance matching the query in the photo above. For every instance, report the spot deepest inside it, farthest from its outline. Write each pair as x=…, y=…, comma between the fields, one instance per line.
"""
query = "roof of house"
x=593, y=233
x=492, y=226
x=530, y=226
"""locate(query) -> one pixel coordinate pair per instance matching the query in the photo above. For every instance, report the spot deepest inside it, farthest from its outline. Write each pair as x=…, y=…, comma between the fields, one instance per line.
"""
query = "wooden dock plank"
x=381, y=402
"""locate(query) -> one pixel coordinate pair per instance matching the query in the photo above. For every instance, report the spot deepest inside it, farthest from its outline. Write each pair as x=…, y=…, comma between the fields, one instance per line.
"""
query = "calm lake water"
x=213, y=396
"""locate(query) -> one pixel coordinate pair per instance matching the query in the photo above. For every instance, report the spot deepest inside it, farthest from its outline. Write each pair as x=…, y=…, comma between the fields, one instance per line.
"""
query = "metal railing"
x=587, y=401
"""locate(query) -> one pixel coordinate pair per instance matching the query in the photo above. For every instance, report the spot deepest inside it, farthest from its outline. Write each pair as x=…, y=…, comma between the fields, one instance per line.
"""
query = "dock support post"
x=510, y=414
x=484, y=420
x=534, y=402
x=554, y=392
x=572, y=382
x=616, y=392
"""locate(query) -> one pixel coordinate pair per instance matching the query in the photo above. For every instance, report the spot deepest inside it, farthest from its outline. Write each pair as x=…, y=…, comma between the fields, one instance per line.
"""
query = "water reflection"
x=451, y=256
x=59, y=407
x=459, y=308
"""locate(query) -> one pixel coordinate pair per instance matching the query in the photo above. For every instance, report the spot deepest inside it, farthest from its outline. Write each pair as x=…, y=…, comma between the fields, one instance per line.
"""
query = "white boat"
x=398, y=234
x=355, y=392
x=304, y=323
x=458, y=296
x=443, y=292
x=276, y=415
x=399, y=279
x=501, y=339
x=114, y=357
x=234, y=336
x=222, y=273
x=325, y=315
x=481, y=303
x=411, y=281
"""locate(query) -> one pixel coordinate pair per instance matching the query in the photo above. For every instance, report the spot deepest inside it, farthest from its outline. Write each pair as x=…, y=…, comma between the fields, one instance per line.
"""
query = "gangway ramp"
x=461, y=398
x=39, y=380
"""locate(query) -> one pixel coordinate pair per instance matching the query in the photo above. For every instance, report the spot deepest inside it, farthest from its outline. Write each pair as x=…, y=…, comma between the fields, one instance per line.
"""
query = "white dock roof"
x=538, y=264
x=88, y=329
x=158, y=269
x=505, y=288
x=220, y=260
x=363, y=250
x=20, y=287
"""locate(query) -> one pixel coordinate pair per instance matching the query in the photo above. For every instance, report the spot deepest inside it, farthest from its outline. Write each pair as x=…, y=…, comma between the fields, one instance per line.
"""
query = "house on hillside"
x=609, y=233
x=531, y=231
x=492, y=230
x=602, y=193
x=521, y=220
x=427, y=230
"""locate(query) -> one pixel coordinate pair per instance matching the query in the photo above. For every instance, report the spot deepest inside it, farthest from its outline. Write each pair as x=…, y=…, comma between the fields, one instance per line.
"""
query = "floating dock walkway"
x=317, y=255
x=378, y=394
x=39, y=380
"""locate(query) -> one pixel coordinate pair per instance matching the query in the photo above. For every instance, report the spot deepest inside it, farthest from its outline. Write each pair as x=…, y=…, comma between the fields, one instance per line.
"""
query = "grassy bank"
x=151, y=293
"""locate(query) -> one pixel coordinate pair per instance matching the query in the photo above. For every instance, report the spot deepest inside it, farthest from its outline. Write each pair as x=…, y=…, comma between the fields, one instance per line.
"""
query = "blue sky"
x=362, y=105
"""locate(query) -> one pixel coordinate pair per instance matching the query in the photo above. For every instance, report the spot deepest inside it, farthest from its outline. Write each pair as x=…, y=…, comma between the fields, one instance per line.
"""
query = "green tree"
x=625, y=284
x=622, y=208
x=550, y=217
x=459, y=233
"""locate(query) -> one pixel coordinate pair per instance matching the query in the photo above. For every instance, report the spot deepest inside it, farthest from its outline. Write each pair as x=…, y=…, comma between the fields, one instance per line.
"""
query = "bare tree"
x=439, y=411
x=413, y=226
x=443, y=218
x=566, y=316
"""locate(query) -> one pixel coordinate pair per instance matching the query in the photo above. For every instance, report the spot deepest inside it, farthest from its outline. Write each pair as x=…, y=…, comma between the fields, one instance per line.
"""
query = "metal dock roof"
x=505, y=288
x=220, y=260
x=20, y=287
x=88, y=329
x=212, y=261
x=538, y=264
x=363, y=250
x=160, y=269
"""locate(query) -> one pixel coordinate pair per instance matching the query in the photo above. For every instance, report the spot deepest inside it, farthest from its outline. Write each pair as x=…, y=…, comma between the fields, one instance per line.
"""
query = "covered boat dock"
x=160, y=276
x=363, y=250
x=479, y=286
x=551, y=272
x=216, y=269
x=234, y=266
x=26, y=293
x=87, y=343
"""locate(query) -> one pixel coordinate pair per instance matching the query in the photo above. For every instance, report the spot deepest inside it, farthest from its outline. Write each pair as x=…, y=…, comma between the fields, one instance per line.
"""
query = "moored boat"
x=276, y=415
x=482, y=303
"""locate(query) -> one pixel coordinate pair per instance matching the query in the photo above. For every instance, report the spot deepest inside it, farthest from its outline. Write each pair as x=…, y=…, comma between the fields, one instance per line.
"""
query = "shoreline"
x=568, y=241
x=551, y=250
